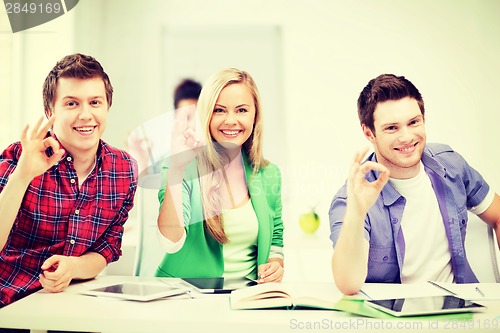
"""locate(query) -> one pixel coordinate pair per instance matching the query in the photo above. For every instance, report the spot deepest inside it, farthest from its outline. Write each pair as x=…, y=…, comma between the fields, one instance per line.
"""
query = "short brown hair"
x=186, y=89
x=78, y=66
x=385, y=87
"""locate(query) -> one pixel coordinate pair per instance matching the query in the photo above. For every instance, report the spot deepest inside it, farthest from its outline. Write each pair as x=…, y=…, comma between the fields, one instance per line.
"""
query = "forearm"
x=88, y=265
x=350, y=257
x=10, y=201
x=171, y=219
x=58, y=271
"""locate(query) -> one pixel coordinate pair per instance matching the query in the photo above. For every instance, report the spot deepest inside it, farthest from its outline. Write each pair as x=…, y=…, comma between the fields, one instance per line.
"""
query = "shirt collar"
x=389, y=194
x=100, y=150
x=430, y=162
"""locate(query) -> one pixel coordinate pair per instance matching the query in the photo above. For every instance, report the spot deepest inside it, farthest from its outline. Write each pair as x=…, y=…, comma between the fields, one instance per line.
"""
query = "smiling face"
x=399, y=138
x=81, y=112
x=233, y=117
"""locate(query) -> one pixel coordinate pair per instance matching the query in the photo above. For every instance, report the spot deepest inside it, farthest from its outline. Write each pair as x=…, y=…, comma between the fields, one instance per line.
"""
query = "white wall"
x=449, y=49
x=25, y=60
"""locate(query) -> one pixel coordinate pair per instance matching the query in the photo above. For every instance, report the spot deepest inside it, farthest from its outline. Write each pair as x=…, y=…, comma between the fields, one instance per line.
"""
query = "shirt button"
x=385, y=258
x=72, y=181
x=72, y=241
x=77, y=211
x=68, y=158
x=394, y=220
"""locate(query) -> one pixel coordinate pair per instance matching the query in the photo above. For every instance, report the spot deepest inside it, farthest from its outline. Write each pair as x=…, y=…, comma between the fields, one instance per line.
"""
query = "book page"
x=318, y=295
x=265, y=295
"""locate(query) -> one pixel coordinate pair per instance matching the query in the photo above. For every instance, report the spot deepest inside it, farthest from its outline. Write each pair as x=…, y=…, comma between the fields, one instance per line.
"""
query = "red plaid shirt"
x=58, y=217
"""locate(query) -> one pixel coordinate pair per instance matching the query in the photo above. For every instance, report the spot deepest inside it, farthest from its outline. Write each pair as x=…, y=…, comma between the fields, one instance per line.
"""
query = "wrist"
x=74, y=263
x=20, y=179
x=354, y=215
x=278, y=260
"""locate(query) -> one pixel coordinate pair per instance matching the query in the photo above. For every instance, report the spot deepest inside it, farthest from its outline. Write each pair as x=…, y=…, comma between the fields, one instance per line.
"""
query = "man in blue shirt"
x=402, y=214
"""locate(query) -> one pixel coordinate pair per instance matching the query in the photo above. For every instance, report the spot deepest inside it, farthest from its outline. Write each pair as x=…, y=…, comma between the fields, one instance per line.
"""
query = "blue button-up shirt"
x=458, y=187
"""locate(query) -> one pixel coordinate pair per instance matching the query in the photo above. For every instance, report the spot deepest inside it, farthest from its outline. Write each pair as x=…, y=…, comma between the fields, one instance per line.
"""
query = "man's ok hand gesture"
x=361, y=193
x=34, y=161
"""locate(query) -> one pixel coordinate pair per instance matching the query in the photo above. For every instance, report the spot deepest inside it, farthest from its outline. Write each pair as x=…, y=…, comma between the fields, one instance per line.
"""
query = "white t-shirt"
x=427, y=255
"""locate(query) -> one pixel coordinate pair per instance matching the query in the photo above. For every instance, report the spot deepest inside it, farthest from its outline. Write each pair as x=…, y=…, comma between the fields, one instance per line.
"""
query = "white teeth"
x=84, y=129
x=230, y=132
x=406, y=149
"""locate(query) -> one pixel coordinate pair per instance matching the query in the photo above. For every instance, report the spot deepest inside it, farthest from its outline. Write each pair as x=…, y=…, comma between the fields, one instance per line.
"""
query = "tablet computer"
x=137, y=291
x=419, y=306
x=218, y=285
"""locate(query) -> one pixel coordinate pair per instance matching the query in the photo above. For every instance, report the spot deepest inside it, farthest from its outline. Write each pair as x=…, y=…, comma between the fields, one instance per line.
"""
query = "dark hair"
x=78, y=66
x=186, y=89
x=385, y=87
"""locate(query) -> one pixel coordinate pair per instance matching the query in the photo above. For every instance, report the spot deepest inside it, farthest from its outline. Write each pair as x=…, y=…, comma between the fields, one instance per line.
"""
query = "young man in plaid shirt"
x=64, y=193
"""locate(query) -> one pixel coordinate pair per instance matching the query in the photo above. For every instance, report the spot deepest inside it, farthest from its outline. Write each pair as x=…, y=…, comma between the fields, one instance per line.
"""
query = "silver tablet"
x=137, y=291
x=418, y=306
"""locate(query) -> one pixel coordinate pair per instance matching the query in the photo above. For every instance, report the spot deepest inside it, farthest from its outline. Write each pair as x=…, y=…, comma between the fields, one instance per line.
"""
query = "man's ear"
x=368, y=133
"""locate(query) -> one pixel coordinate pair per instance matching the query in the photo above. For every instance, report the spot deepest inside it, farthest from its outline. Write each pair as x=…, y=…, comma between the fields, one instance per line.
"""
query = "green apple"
x=309, y=222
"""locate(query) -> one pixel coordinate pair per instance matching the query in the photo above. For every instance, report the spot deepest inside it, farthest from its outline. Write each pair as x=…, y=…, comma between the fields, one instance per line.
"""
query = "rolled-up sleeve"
x=336, y=215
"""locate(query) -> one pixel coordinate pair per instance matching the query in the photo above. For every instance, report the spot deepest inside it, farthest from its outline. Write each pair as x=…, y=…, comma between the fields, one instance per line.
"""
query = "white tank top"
x=240, y=254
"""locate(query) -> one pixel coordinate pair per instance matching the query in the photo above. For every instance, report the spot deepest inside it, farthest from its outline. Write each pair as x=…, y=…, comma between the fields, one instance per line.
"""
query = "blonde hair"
x=210, y=160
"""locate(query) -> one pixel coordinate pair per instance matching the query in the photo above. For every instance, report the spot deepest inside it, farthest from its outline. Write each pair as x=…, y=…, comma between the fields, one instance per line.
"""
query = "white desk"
x=69, y=311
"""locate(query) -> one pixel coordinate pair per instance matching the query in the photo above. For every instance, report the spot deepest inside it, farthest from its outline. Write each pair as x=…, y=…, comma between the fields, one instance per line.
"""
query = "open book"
x=289, y=295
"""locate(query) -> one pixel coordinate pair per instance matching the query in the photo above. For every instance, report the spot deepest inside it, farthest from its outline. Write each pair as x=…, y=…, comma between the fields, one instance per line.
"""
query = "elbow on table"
x=348, y=286
x=346, y=280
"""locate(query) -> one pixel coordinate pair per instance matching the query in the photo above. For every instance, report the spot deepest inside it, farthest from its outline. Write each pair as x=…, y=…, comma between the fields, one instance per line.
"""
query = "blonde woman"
x=220, y=201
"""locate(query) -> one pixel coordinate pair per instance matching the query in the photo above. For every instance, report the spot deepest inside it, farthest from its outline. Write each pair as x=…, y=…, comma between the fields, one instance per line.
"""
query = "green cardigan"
x=201, y=255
